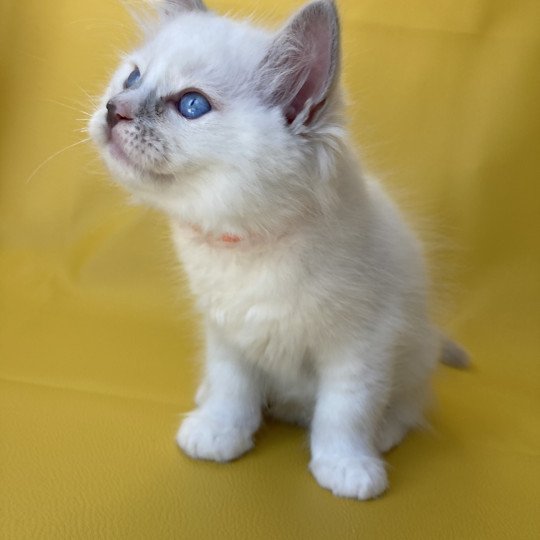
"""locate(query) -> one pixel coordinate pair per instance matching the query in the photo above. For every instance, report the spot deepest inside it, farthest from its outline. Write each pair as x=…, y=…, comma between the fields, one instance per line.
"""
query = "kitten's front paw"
x=203, y=437
x=358, y=477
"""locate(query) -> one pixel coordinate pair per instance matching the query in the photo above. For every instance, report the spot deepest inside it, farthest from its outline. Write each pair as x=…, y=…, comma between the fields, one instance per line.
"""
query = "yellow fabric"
x=98, y=337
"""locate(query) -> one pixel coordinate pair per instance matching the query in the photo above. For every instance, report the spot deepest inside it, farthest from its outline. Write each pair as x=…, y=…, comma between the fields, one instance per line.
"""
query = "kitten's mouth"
x=116, y=150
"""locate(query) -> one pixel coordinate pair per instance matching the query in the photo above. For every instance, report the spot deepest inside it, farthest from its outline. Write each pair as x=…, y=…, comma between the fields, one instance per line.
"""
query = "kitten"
x=312, y=287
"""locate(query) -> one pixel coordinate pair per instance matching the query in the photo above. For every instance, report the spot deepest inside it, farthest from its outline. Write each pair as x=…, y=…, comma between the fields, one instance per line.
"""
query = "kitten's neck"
x=216, y=226
x=344, y=192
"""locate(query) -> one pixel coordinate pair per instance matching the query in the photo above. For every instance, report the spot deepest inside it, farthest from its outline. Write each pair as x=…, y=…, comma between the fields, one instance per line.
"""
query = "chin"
x=145, y=185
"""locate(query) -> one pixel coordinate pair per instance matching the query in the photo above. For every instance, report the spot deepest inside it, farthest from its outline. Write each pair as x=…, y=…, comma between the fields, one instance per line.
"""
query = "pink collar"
x=226, y=240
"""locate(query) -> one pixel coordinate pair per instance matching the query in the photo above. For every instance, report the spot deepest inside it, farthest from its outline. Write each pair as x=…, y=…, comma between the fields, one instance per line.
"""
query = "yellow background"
x=98, y=339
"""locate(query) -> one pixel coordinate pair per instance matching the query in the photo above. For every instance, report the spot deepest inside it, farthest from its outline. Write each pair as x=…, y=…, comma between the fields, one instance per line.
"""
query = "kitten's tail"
x=453, y=355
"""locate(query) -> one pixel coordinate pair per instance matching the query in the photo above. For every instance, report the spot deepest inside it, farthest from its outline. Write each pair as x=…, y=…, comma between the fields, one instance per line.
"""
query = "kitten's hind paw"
x=391, y=435
x=358, y=477
x=203, y=437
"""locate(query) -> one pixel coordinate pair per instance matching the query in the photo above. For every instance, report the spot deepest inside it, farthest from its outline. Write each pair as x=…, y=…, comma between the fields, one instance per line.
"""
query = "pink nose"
x=117, y=111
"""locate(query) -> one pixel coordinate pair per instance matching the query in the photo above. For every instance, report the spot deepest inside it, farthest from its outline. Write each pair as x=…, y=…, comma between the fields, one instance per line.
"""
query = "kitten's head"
x=216, y=120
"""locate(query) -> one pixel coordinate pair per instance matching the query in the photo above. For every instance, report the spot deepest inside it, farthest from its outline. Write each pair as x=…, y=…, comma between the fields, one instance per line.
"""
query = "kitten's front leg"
x=352, y=395
x=229, y=406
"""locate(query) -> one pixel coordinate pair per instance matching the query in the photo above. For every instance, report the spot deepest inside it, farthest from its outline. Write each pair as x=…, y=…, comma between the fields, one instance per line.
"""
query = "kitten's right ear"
x=301, y=66
x=172, y=8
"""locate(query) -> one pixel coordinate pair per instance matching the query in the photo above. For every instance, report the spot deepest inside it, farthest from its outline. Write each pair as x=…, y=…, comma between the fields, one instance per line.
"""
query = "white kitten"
x=312, y=287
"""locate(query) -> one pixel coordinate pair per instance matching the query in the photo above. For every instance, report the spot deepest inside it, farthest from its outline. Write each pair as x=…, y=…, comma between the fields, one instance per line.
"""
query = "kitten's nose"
x=117, y=112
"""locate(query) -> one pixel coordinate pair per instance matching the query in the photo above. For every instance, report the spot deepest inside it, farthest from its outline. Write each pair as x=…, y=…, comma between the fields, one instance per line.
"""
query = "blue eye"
x=193, y=105
x=133, y=78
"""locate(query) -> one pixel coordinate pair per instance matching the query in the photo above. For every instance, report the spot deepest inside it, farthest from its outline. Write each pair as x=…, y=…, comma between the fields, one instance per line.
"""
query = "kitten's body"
x=312, y=287
x=283, y=298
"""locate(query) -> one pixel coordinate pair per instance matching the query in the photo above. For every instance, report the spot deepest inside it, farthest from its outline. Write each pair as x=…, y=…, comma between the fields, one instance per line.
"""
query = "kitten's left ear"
x=172, y=8
x=302, y=65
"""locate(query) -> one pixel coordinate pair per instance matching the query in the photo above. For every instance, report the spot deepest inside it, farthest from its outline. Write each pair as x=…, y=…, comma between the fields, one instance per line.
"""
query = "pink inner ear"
x=314, y=68
x=299, y=69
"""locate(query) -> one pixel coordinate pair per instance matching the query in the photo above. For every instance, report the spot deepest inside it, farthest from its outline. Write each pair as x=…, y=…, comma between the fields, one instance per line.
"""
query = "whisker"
x=39, y=167
x=89, y=100
x=66, y=106
x=93, y=99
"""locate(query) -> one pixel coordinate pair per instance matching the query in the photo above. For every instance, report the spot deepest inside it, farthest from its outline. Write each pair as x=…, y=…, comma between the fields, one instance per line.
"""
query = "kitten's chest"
x=257, y=301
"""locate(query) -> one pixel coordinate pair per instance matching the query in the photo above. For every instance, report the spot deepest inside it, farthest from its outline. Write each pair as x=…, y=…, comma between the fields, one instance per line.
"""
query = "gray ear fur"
x=302, y=64
x=172, y=8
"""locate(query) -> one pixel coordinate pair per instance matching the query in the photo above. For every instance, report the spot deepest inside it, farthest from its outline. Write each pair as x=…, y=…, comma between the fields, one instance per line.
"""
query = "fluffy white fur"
x=312, y=287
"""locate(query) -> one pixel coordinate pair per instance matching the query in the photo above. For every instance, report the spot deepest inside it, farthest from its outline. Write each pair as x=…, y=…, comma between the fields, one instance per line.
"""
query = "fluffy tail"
x=454, y=355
